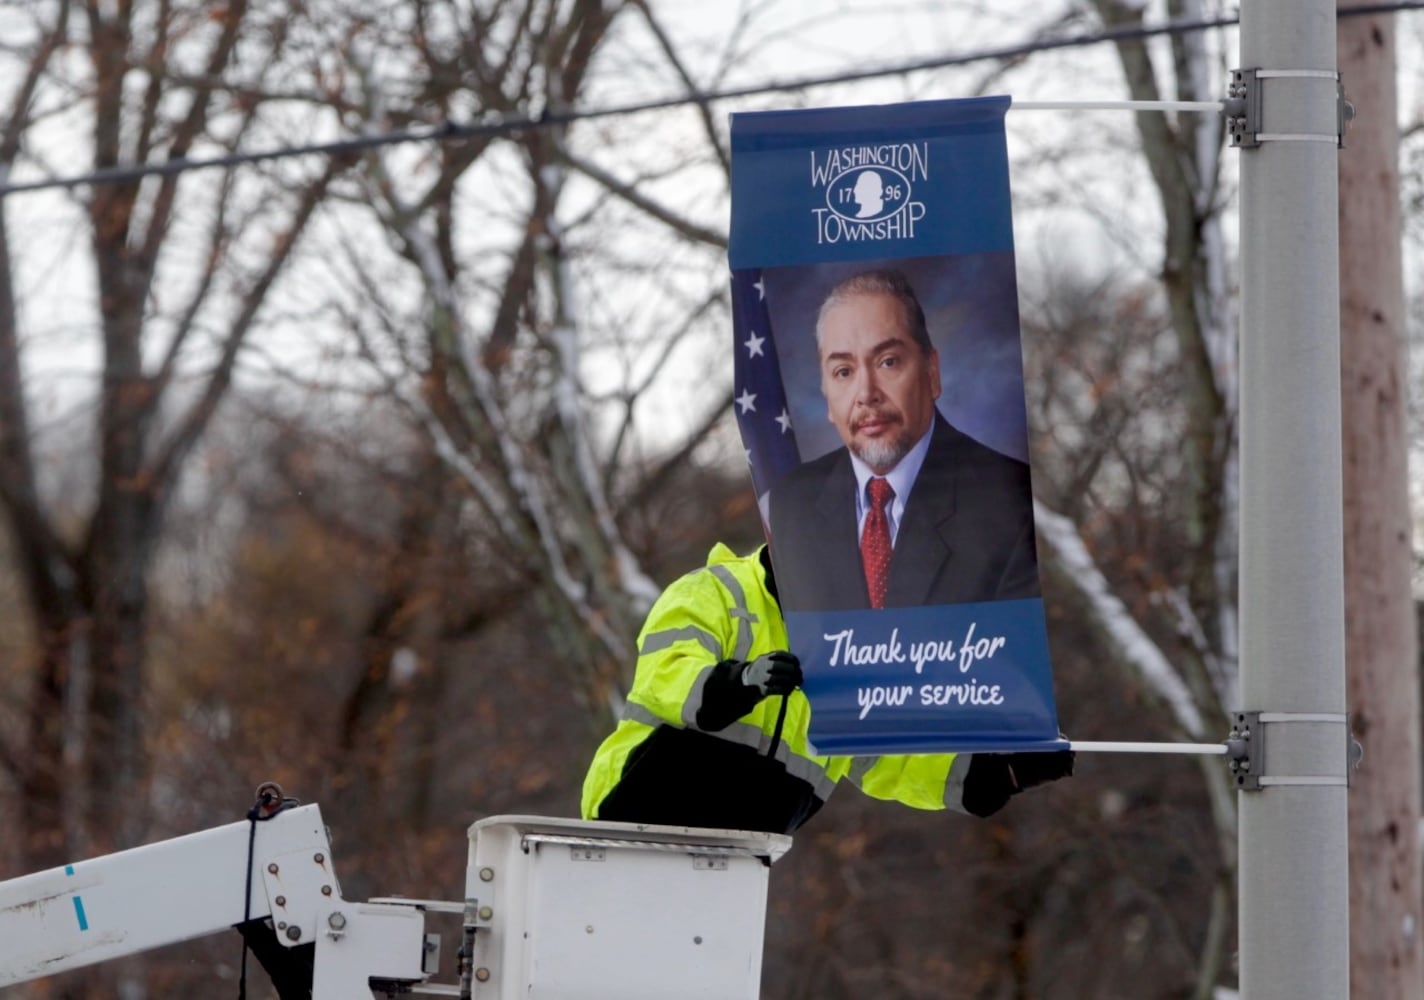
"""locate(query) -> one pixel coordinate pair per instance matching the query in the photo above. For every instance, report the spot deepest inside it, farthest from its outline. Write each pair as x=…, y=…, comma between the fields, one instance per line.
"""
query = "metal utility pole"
x=1294, y=885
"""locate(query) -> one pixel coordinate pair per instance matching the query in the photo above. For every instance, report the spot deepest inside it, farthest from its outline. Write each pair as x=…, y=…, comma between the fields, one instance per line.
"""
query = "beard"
x=884, y=452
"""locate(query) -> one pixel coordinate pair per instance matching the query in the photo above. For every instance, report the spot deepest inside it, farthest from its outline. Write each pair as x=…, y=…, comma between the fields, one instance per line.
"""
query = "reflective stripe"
x=633, y=712
x=739, y=610
x=744, y=734
x=656, y=642
x=954, y=784
x=858, y=767
x=693, y=703
x=808, y=771
x=747, y=735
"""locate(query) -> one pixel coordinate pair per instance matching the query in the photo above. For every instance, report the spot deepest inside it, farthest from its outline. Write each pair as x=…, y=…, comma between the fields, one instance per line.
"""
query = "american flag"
x=760, y=403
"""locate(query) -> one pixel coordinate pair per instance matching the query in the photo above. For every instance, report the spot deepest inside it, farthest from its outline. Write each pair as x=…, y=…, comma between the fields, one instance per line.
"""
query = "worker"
x=714, y=732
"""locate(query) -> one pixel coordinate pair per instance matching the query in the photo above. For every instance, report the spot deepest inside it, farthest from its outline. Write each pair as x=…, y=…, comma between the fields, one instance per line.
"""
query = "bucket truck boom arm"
x=553, y=908
x=273, y=867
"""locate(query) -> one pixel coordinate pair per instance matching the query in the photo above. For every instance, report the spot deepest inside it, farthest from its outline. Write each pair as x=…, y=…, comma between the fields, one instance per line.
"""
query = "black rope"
x=270, y=802
x=247, y=900
x=780, y=721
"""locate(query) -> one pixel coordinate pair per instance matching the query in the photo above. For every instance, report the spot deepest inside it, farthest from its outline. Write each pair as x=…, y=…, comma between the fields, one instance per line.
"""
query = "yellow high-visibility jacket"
x=658, y=767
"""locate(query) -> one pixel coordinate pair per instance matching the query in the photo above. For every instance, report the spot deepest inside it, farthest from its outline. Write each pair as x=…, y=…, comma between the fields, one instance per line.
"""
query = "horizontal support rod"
x=1209, y=106
x=1203, y=749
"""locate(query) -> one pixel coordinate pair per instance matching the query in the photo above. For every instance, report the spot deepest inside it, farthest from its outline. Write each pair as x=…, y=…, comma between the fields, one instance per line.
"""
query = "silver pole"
x=1293, y=878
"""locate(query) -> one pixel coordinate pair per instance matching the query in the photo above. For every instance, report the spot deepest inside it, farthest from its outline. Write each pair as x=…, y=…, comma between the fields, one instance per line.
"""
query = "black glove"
x=1030, y=769
x=773, y=673
x=995, y=777
x=734, y=687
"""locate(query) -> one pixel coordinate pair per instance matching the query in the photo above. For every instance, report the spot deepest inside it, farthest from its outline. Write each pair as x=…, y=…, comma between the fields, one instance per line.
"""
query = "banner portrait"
x=879, y=394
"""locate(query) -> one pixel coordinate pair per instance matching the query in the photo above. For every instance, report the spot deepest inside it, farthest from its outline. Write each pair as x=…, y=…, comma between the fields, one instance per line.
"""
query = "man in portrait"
x=910, y=511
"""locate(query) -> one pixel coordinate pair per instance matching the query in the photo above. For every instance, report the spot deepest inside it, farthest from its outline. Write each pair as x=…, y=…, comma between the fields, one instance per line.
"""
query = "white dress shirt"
x=902, y=480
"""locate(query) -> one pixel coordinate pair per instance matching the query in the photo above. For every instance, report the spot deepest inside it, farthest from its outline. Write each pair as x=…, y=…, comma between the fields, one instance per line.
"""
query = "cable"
x=247, y=900
x=270, y=802
x=496, y=124
x=780, y=723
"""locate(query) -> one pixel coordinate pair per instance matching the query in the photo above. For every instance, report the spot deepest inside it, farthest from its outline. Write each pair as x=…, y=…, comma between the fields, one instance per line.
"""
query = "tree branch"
x=191, y=427
x=704, y=110
x=1120, y=633
x=630, y=194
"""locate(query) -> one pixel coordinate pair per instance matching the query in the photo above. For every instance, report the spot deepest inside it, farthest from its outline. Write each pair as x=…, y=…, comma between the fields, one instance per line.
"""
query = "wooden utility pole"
x=1381, y=651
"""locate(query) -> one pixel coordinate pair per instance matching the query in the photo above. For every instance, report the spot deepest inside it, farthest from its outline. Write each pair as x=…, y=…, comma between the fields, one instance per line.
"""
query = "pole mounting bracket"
x=1245, y=758
x=1244, y=107
x=1246, y=749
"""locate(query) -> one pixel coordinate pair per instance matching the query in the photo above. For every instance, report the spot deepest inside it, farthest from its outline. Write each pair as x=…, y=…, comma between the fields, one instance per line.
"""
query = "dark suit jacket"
x=966, y=534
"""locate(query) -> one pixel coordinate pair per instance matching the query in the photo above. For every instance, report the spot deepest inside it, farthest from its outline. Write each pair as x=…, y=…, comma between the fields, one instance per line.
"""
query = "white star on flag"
x=757, y=377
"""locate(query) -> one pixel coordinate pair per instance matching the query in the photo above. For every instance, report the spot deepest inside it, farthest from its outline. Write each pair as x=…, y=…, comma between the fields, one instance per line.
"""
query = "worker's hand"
x=773, y=673
x=994, y=778
x=1030, y=769
x=733, y=687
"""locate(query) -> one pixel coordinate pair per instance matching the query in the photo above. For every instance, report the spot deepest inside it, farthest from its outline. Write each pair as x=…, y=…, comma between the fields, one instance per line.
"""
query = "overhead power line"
x=498, y=123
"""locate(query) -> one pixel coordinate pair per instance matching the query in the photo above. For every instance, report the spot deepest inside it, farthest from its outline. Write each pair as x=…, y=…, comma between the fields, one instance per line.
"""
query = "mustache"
x=877, y=416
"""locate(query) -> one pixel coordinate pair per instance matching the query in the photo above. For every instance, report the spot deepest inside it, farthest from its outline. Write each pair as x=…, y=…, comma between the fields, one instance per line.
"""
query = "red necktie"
x=875, y=541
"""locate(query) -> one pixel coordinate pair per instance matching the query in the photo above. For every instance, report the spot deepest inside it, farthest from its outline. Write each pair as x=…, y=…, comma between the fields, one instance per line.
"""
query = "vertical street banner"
x=879, y=394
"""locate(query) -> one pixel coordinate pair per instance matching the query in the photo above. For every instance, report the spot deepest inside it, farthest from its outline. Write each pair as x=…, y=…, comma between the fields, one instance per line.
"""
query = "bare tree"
x=170, y=323
x=558, y=518
x=496, y=378
x=1181, y=641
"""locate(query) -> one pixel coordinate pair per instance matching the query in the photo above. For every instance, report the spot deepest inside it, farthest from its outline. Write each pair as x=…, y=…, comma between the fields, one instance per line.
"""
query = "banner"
x=879, y=394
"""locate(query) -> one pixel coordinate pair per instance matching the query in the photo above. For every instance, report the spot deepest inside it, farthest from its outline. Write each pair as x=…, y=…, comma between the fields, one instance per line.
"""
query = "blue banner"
x=836, y=184
x=905, y=680
x=879, y=394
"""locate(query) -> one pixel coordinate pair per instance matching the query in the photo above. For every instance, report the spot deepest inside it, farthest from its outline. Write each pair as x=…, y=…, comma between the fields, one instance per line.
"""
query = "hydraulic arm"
x=273, y=868
x=553, y=908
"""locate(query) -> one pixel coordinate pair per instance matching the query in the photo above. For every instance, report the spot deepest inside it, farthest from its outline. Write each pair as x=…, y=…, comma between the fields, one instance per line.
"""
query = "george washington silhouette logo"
x=869, y=191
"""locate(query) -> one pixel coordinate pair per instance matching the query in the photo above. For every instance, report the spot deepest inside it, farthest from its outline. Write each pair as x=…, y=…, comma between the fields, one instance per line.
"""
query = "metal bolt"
x=281, y=925
x=697, y=939
x=326, y=890
x=294, y=933
x=281, y=900
x=272, y=868
x=336, y=921
x=482, y=974
x=486, y=874
x=588, y=929
x=486, y=913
